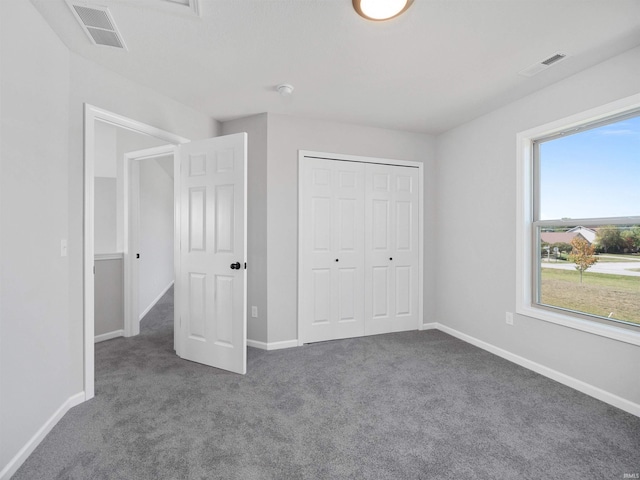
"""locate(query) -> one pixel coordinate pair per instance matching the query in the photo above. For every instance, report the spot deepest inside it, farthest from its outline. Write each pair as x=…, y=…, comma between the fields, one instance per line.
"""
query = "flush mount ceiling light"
x=285, y=89
x=379, y=10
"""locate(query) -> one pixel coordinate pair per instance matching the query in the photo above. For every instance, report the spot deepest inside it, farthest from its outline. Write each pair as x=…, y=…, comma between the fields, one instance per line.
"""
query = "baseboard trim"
x=108, y=336
x=157, y=299
x=272, y=345
x=15, y=463
x=428, y=326
x=586, y=388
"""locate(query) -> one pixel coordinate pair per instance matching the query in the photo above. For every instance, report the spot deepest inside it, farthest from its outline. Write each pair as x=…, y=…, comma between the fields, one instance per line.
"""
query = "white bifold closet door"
x=359, y=252
x=332, y=239
x=391, y=245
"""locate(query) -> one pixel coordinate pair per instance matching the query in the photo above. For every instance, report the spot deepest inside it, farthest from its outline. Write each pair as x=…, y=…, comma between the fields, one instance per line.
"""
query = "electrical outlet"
x=254, y=312
x=509, y=318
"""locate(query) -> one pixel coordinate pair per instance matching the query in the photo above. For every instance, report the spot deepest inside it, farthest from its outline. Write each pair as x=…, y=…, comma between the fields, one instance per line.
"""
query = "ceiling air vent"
x=555, y=58
x=98, y=24
x=543, y=65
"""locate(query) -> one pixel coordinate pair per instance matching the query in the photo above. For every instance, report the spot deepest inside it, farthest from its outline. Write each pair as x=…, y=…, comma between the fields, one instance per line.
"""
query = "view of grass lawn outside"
x=608, y=285
x=612, y=296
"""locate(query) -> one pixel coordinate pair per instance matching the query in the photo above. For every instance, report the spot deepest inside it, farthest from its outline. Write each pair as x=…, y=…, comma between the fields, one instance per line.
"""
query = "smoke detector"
x=543, y=65
x=284, y=89
x=98, y=24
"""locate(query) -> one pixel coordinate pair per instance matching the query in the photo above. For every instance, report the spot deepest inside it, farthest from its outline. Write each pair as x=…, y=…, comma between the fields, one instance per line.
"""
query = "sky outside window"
x=592, y=174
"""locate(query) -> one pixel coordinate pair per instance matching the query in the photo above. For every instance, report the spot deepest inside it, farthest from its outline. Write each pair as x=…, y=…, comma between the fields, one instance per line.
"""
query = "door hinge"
x=245, y=265
x=137, y=255
x=94, y=269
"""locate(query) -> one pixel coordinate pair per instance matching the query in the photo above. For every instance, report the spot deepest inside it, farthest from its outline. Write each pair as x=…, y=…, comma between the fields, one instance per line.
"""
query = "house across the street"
x=565, y=237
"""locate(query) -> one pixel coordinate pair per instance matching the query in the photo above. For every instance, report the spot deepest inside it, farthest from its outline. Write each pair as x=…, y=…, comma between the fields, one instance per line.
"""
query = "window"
x=579, y=221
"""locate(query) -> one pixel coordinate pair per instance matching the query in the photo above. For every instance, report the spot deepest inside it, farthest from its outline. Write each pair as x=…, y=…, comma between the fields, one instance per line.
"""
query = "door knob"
x=235, y=266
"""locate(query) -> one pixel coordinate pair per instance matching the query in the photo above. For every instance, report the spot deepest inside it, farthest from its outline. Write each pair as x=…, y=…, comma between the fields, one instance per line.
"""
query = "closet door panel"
x=332, y=250
x=407, y=251
x=380, y=297
x=391, y=242
x=348, y=300
x=348, y=249
x=403, y=290
x=321, y=295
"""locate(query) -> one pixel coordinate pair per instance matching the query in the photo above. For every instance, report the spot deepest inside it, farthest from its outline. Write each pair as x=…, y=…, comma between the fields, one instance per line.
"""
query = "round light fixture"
x=284, y=89
x=379, y=10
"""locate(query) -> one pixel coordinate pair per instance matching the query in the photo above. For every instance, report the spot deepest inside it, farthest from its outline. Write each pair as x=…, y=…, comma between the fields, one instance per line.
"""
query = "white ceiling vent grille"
x=553, y=59
x=543, y=65
x=98, y=24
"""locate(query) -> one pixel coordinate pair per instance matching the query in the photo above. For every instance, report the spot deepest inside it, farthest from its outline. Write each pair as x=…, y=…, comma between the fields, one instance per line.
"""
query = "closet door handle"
x=235, y=266
x=390, y=258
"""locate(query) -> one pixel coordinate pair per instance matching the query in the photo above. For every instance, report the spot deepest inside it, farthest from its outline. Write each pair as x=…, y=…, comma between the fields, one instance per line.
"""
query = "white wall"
x=105, y=164
x=109, y=296
x=106, y=215
x=43, y=88
x=256, y=128
x=285, y=136
x=476, y=215
x=106, y=188
x=34, y=278
x=156, y=233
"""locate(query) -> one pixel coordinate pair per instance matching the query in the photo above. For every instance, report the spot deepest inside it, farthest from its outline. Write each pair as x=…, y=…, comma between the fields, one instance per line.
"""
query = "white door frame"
x=93, y=114
x=386, y=161
x=131, y=192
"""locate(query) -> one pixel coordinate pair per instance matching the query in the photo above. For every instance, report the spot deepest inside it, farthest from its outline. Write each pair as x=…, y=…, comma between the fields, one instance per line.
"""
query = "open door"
x=210, y=293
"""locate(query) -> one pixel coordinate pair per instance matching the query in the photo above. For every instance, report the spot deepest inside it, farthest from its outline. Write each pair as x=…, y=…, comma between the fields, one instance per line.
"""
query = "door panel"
x=391, y=243
x=321, y=221
x=380, y=292
x=403, y=227
x=211, y=295
x=348, y=224
x=332, y=250
x=225, y=219
x=347, y=288
x=321, y=295
x=403, y=290
x=197, y=219
x=197, y=314
x=380, y=227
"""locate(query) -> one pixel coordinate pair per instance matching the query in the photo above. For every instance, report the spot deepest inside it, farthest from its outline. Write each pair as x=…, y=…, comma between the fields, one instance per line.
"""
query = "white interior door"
x=332, y=250
x=211, y=291
x=392, y=246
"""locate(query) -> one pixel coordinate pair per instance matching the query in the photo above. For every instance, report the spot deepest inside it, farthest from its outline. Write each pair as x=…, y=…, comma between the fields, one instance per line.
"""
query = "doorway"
x=93, y=115
x=149, y=226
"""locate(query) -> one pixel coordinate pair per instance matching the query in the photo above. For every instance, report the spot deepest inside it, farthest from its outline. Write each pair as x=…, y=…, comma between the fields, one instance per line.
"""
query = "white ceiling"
x=442, y=63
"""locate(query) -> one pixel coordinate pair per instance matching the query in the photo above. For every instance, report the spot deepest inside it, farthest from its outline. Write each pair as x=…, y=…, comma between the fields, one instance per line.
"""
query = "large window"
x=579, y=228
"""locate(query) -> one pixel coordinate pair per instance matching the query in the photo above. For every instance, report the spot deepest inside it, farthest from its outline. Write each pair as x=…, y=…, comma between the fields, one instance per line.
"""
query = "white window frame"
x=526, y=270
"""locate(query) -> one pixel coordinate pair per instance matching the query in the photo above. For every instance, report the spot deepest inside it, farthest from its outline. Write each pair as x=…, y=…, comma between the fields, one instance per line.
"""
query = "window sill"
x=609, y=331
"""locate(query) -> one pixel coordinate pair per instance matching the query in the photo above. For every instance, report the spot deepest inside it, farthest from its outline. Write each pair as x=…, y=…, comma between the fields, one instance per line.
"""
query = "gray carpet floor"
x=413, y=405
